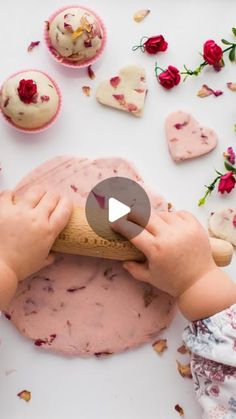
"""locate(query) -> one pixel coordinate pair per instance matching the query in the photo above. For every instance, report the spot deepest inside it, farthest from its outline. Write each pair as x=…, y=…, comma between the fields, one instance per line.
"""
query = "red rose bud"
x=230, y=155
x=227, y=183
x=155, y=44
x=212, y=53
x=170, y=77
x=27, y=91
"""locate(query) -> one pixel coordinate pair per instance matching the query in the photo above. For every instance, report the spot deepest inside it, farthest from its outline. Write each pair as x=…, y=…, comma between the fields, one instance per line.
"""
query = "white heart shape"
x=126, y=92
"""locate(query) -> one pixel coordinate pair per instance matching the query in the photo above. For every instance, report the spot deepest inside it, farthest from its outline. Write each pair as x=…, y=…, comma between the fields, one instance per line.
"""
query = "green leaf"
x=224, y=41
x=201, y=202
x=229, y=167
x=232, y=54
x=234, y=31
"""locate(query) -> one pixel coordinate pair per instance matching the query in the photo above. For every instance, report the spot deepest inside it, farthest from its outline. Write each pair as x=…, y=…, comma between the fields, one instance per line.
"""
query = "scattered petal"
x=207, y=91
x=183, y=350
x=231, y=86
x=9, y=372
x=101, y=200
x=141, y=14
x=86, y=90
x=131, y=107
x=179, y=409
x=74, y=188
x=76, y=34
x=91, y=73
x=32, y=45
x=115, y=81
x=160, y=346
x=25, y=395
x=184, y=370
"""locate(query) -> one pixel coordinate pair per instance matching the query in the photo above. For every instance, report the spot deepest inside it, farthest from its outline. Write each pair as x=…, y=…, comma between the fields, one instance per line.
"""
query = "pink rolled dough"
x=86, y=306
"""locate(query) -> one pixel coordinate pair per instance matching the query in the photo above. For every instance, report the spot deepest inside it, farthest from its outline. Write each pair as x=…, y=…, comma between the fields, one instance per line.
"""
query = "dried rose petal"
x=86, y=90
x=120, y=99
x=45, y=98
x=88, y=43
x=91, y=73
x=68, y=27
x=68, y=15
x=115, y=81
x=180, y=125
x=231, y=86
x=74, y=188
x=170, y=206
x=131, y=107
x=183, y=350
x=25, y=395
x=32, y=45
x=74, y=289
x=101, y=200
x=160, y=346
x=6, y=103
x=184, y=370
x=139, y=90
x=179, y=409
x=8, y=316
x=207, y=91
x=141, y=14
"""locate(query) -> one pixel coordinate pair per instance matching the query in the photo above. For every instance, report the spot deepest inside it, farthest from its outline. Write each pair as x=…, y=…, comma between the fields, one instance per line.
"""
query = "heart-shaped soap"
x=222, y=225
x=126, y=91
x=186, y=138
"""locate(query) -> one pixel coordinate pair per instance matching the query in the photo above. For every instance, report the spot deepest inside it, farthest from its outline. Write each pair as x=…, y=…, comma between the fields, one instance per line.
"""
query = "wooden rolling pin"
x=79, y=239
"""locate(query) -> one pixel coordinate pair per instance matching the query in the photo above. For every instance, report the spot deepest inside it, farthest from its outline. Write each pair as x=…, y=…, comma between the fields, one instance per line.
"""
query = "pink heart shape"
x=186, y=138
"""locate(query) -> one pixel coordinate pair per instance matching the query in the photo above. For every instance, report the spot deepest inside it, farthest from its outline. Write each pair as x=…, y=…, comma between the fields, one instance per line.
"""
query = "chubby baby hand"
x=179, y=261
x=176, y=247
x=29, y=226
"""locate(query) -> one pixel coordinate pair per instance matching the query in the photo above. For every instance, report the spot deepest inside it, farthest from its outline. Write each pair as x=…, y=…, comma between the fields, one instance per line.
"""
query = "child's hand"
x=177, y=249
x=179, y=262
x=29, y=226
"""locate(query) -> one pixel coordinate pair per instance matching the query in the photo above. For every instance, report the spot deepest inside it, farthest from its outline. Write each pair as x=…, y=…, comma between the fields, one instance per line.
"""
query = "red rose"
x=169, y=78
x=227, y=183
x=27, y=91
x=155, y=44
x=212, y=53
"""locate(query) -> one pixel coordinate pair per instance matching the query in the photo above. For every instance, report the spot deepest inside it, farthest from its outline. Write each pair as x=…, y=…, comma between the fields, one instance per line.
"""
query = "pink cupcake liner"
x=51, y=122
x=58, y=58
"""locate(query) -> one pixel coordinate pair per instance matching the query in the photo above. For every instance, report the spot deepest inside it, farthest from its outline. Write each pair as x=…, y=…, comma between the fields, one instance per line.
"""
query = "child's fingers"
x=33, y=196
x=138, y=271
x=153, y=225
x=48, y=203
x=143, y=240
x=61, y=215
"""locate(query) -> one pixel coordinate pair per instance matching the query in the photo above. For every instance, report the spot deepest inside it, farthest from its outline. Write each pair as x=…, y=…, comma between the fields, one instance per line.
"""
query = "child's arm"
x=28, y=228
x=179, y=262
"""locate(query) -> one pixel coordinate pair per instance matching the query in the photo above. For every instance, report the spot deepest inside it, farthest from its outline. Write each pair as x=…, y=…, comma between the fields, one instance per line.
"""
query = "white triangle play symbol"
x=116, y=210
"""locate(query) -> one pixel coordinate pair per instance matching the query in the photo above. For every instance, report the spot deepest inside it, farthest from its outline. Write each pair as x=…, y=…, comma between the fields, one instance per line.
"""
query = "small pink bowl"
x=64, y=61
x=48, y=124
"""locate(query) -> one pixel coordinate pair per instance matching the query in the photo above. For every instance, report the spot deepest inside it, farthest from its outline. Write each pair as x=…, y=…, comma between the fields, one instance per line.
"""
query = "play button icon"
x=117, y=199
x=116, y=210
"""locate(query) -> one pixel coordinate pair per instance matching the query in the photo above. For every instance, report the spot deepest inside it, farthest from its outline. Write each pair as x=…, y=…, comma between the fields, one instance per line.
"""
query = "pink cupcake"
x=30, y=100
x=75, y=36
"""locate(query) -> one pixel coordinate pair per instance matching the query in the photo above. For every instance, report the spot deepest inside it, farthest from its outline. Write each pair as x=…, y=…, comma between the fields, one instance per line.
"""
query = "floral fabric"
x=212, y=343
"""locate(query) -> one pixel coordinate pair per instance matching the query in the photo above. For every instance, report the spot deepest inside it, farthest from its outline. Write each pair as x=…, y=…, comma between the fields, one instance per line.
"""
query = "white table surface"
x=138, y=384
